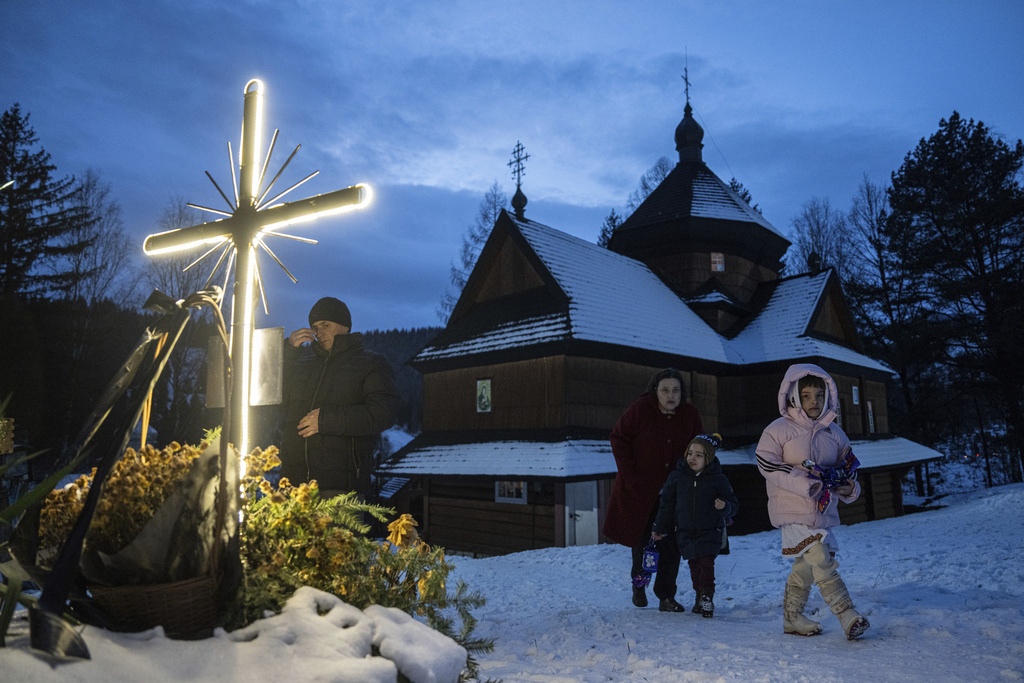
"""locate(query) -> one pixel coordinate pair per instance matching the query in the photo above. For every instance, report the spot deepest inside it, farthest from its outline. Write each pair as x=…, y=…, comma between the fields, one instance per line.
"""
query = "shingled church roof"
x=610, y=299
x=693, y=210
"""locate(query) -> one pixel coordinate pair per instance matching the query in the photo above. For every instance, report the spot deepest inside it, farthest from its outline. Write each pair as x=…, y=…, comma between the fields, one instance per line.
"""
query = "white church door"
x=581, y=513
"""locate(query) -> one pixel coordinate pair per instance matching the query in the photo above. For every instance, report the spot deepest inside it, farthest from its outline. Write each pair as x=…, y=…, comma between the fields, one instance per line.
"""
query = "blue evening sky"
x=425, y=101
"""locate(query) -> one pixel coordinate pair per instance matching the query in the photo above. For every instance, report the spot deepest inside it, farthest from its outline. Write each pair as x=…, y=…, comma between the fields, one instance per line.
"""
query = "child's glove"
x=831, y=477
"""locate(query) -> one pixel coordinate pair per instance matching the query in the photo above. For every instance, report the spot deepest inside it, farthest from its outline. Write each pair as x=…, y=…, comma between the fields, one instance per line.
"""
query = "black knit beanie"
x=332, y=310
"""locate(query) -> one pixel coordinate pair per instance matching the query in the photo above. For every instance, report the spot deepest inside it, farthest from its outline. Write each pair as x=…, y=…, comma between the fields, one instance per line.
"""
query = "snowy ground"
x=943, y=591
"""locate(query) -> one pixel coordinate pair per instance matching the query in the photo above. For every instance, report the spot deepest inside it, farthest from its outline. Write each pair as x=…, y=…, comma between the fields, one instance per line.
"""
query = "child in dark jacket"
x=695, y=502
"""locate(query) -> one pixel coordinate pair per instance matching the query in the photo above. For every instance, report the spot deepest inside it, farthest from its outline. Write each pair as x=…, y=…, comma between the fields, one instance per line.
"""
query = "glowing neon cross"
x=252, y=217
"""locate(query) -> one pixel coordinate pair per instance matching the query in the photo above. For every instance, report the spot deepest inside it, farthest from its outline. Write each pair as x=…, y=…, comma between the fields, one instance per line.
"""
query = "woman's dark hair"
x=667, y=373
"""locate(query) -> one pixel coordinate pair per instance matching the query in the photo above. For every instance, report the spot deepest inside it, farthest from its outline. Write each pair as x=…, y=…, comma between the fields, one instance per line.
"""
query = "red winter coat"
x=646, y=444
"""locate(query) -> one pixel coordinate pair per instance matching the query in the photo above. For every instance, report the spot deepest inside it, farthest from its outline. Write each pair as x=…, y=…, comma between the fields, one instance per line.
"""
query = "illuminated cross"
x=251, y=219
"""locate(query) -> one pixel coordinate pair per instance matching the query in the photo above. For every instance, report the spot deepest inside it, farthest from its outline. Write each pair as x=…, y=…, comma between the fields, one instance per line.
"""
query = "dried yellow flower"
x=401, y=531
x=139, y=483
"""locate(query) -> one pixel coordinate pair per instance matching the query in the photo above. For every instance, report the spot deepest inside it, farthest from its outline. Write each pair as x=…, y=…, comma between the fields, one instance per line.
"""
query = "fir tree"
x=957, y=221
x=611, y=221
x=36, y=212
x=737, y=187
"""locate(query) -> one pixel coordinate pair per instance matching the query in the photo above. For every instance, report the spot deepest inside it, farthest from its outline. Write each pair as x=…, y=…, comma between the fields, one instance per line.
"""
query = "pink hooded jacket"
x=793, y=438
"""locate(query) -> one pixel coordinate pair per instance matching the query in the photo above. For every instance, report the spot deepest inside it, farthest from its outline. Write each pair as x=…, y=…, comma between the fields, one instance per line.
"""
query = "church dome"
x=689, y=137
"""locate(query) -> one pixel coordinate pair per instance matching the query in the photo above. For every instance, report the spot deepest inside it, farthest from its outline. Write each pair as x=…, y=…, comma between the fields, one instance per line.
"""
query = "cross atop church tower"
x=516, y=164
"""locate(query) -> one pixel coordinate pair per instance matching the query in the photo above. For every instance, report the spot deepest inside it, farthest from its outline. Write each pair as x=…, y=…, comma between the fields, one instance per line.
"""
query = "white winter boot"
x=793, y=619
x=838, y=599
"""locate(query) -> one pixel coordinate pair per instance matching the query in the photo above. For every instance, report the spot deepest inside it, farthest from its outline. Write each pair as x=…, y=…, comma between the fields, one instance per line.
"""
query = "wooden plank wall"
x=689, y=270
x=555, y=391
x=598, y=391
x=747, y=405
x=510, y=272
x=463, y=517
x=854, y=420
x=524, y=394
x=881, y=497
x=877, y=393
x=748, y=485
x=859, y=510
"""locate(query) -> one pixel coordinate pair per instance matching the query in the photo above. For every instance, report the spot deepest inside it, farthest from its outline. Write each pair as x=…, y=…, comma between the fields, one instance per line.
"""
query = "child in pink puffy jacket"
x=808, y=467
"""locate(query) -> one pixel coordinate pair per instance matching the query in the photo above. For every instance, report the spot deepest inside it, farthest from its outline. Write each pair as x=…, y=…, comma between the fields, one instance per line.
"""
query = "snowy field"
x=942, y=588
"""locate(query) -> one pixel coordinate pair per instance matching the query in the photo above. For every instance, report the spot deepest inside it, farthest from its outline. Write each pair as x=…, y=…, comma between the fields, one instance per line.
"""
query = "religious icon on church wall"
x=483, y=396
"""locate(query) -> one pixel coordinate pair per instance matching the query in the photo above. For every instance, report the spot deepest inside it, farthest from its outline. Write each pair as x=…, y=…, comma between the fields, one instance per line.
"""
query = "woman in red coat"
x=647, y=441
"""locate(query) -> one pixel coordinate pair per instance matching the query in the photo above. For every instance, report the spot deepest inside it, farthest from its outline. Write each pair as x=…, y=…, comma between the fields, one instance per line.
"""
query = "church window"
x=510, y=492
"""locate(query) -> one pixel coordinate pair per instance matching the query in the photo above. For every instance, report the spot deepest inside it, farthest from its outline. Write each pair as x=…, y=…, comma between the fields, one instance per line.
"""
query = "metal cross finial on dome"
x=516, y=164
x=686, y=74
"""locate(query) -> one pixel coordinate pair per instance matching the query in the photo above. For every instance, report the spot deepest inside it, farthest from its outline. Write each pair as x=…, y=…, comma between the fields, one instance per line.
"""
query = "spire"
x=516, y=164
x=689, y=134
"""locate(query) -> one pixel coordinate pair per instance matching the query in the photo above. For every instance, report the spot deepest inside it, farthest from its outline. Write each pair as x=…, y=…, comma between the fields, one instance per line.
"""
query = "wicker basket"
x=183, y=608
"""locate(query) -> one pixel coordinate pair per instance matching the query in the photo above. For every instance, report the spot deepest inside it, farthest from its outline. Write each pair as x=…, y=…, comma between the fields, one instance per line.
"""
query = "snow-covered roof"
x=526, y=332
x=568, y=458
x=391, y=486
x=714, y=199
x=694, y=190
x=778, y=333
x=711, y=298
x=612, y=299
x=593, y=458
x=872, y=454
x=618, y=300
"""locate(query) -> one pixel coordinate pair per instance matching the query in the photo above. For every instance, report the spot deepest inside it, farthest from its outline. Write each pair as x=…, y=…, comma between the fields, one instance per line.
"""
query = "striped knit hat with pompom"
x=710, y=442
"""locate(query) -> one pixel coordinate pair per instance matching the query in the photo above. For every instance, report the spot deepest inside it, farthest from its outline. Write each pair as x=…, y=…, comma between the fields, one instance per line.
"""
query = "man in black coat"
x=338, y=398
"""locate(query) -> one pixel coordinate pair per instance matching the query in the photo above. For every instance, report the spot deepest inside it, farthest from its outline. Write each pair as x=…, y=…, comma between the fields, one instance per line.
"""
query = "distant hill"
x=399, y=346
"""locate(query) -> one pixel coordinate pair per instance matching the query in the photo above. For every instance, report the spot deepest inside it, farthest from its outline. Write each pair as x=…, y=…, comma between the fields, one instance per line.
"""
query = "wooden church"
x=553, y=337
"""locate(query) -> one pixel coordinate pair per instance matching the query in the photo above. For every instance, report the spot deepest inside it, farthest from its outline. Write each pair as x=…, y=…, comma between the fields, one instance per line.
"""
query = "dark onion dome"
x=689, y=137
x=519, y=202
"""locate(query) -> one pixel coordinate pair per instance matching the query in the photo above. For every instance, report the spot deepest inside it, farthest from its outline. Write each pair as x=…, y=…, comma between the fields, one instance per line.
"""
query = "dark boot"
x=639, y=596
x=670, y=605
